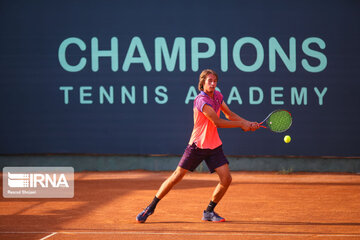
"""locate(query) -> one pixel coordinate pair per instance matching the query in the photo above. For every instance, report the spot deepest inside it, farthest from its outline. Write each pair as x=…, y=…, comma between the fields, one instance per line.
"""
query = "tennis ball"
x=287, y=139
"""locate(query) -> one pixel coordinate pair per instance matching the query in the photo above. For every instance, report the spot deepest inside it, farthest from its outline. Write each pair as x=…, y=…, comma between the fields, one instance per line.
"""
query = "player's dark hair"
x=203, y=76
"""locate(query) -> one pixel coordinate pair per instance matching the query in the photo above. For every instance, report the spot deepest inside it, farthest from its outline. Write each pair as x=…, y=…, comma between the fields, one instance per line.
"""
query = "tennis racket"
x=278, y=121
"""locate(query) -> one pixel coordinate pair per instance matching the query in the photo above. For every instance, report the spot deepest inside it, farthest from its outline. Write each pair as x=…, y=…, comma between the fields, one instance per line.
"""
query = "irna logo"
x=38, y=182
x=25, y=180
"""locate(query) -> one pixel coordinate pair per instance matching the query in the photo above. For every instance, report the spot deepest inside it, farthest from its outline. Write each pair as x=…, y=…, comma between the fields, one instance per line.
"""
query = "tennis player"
x=205, y=144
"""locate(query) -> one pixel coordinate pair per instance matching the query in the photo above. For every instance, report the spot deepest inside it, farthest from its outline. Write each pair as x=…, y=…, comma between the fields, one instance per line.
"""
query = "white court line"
x=188, y=233
x=48, y=236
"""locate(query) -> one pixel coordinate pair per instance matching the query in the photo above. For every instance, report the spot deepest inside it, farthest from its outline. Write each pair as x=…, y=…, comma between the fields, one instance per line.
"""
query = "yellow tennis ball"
x=287, y=139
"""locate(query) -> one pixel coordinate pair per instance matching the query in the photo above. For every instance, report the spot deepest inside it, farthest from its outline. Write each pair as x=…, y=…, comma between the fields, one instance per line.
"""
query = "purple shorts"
x=193, y=156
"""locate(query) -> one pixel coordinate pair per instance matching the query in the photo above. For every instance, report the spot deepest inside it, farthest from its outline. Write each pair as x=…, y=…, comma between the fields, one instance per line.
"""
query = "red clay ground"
x=257, y=206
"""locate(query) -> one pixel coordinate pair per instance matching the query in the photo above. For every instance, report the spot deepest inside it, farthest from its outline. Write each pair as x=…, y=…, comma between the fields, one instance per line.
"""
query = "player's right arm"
x=222, y=123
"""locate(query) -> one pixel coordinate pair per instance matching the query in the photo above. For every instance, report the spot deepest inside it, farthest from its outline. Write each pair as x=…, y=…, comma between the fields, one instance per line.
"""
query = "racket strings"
x=279, y=121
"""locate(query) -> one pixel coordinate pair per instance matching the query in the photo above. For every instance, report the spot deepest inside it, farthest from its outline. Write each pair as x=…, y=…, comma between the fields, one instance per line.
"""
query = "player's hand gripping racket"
x=278, y=121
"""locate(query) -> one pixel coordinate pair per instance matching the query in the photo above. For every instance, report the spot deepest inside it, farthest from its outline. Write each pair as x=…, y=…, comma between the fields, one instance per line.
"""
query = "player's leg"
x=218, y=163
x=191, y=158
x=220, y=190
x=165, y=187
x=171, y=181
x=225, y=180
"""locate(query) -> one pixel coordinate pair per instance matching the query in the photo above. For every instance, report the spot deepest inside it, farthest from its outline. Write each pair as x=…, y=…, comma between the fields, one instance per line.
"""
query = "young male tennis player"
x=205, y=144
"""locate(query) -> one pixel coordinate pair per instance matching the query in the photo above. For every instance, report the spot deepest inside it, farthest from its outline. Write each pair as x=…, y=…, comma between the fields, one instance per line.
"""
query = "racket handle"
x=262, y=126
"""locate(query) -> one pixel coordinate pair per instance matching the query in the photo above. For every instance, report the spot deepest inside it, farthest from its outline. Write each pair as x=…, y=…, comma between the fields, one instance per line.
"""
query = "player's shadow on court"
x=95, y=199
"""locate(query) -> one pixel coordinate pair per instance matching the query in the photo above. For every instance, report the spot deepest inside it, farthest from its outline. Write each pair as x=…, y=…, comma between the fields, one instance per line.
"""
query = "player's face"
x=210, y=83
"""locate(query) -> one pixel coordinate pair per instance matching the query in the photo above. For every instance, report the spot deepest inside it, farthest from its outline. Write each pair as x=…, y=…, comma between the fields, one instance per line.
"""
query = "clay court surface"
x=256, y=206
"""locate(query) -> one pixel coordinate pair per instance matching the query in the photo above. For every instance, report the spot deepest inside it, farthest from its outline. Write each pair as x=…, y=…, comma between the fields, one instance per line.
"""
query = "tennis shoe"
x=141, y=218
x=212, y=217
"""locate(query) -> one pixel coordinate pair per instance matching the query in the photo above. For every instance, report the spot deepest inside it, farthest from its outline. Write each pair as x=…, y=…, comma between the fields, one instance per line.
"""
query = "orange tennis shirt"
x=205, y=134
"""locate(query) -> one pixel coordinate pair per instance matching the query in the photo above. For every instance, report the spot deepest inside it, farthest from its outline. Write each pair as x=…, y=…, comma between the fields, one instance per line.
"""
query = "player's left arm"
x=230, y=115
